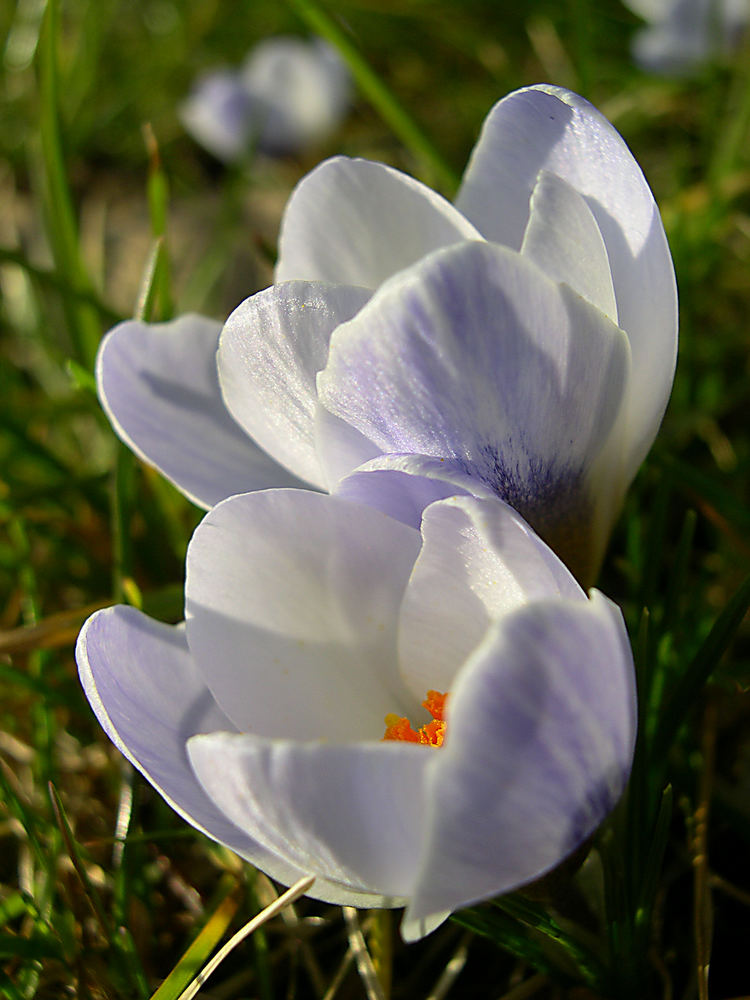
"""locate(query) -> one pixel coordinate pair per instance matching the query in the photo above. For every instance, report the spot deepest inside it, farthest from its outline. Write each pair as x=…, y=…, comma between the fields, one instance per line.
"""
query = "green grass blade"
x=157, y=190
x=199, y=951
x=380, y=97
x=508, y=934
x=685, y=694
x=85, y=330
x=63, y=285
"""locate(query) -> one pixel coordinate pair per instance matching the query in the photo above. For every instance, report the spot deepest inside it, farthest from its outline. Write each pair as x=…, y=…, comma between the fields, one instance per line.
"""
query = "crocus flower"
x=315, y=627
x=218, y=114
x=521, y=342
x=681, y=34
x=288, y=95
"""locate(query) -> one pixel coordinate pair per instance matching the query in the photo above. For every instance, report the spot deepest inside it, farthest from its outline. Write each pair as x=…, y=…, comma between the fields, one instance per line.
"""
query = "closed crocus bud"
x=419, y=719
x=519, y=344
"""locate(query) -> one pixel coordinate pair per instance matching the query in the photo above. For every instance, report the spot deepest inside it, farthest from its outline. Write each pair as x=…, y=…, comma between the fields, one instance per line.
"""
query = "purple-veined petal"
x=475, y=355
x=356, y=222
x=270, y=350
x=354, y=813
x=541, y=730
x=549, y=128
x=479, y=561
x=403, y=485
x=143, y=685
x=158, y=386
x=562, y=237
x=292, y=600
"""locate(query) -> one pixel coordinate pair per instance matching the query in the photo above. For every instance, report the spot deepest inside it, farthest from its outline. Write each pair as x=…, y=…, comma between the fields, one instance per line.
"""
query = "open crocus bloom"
x=311, y=619
x=289, y=94
x=682, y=34
x=521, y=342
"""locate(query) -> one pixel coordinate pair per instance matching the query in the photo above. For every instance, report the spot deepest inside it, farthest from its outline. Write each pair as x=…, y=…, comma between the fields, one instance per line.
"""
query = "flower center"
x=432, y=734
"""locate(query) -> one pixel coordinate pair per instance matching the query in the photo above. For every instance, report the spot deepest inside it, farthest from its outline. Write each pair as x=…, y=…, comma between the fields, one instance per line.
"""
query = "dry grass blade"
x=297, y=890
x=527, y=988
x=362, y=957
x=703, y=917
x=452, y=969
x=338, y=978
x=267, y=894
x=67, y=834
x=52, y=632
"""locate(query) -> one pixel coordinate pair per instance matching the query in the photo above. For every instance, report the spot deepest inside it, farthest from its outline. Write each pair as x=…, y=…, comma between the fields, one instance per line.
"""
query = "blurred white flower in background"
x=682, y=34
x=288, y=95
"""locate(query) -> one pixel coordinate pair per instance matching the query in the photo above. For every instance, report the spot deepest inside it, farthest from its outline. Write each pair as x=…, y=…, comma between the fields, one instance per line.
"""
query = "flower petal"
x=562, y=237
x=292, y=600
x=217, y=114
x=475, y=355
x=352, y=813
x=403, y=485
x=479, y=561
x=150, y=700
x=541, y=730
x=143, y=686
x=270, y=350
x=549, y=128
x=159, y=388
x=356, y=222
x=300, y=90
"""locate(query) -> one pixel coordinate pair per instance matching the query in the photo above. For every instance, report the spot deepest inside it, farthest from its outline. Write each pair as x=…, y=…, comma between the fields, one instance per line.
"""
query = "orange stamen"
x=431, y=734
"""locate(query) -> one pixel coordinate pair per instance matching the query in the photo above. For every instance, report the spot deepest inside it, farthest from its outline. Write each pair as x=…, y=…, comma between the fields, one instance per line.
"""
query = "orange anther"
x=431, y=734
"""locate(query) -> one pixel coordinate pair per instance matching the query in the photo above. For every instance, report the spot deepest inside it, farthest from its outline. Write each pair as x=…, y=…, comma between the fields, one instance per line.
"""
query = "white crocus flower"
x=538, y=316
x=681, y=34
x=288, y=95
x=313, y=625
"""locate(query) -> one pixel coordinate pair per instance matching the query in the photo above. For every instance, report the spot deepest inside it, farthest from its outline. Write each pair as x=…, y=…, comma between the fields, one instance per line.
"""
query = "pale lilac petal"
x=541, y=730
x=148, y=697
x=158, y=386
x=353, y=813
x=340, y=447
x=299, y=92
x=270, y=350
x=143, y=685
x=562, y=237
x=217, y=114
x=475, y=355
x=479, y=561
x=684, y=33
x=292, y=600
x=356, y=222
x=549, y=128
x=403, y=485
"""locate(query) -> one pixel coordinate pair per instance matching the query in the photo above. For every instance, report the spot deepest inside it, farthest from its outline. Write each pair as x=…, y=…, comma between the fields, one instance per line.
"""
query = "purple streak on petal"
x=475, y=356
x=549, y=128
x=401, y=486
x=541, y=731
